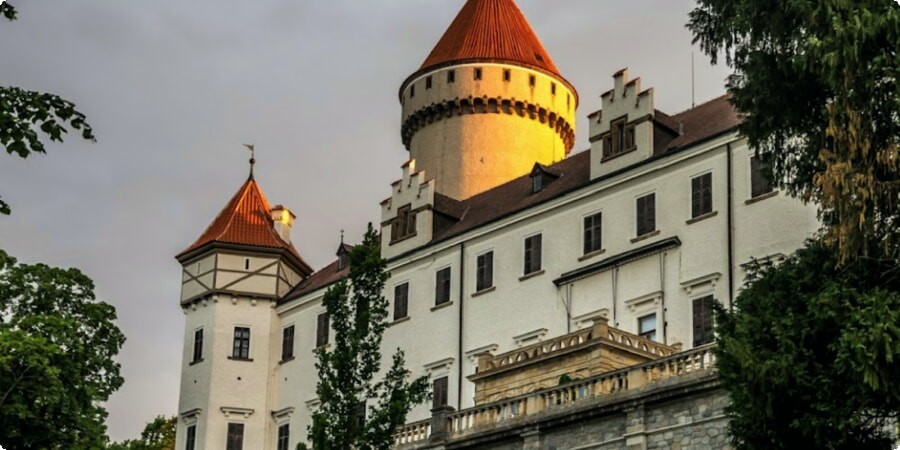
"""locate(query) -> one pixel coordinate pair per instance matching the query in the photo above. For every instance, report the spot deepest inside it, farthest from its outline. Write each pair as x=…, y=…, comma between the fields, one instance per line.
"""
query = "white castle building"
x=496, y=237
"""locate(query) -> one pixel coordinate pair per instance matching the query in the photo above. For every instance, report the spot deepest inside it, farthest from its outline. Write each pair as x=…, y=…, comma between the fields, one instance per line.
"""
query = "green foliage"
x=817, y=80
x=23, y=114
x=811, y=355
x=57, y=345
x=358, y=314
x=157, y=435
x=7, y=11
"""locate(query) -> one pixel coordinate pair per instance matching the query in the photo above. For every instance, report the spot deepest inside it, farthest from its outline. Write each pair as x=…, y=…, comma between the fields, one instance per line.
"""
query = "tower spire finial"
x=252, y=148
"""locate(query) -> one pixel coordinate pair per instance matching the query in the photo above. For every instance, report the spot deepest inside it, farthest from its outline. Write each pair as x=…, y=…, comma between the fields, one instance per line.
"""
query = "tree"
x=811, y=355
x=358, y=314
x=23, y=113
x=157, y=435
x=817, y=82
x=57, y=350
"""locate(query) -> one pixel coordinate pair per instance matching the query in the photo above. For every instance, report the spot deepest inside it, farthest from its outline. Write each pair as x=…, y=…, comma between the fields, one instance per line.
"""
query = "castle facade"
x=497, y=237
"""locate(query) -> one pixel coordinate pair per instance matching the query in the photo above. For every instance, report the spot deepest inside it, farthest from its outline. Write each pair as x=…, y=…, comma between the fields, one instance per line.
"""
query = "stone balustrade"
x=452, y=424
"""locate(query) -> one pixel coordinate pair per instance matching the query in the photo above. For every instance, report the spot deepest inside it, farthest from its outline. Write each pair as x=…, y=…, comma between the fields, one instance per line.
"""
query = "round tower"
x=487, y=103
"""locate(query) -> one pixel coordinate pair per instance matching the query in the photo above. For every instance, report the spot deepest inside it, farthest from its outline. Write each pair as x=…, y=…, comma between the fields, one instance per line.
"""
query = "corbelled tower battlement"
x=487, y=103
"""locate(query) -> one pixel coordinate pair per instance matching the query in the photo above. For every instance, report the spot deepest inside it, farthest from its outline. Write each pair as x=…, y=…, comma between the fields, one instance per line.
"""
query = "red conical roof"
x=491, y=30
x=245, y=220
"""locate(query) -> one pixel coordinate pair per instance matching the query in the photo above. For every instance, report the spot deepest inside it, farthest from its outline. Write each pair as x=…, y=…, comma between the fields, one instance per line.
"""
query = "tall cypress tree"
x=347, y=388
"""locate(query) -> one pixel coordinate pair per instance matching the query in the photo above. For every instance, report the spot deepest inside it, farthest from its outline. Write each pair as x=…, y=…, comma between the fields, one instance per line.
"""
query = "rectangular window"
x=701, y=195
x=532, y=80
x=451, y=76
x=593, y=233
x=401, y=301
x=235, y=439
x=190, y=440
x=287, y=343
x=428, y=82
x=507, y=75
x=478, y=73
x=704, y=329
x=629, y=138
x=647, y=327
x=360, y=414
x=646, y=214
x=484, y=276
x=533, y=254
x=759, y=181
x=322, y=330
x=404, y=225
x=442, y=286
x=198, y=346
x=284, y=437
x=241, y=348
x=412, y=91
x=439, y=392
x=553, y=88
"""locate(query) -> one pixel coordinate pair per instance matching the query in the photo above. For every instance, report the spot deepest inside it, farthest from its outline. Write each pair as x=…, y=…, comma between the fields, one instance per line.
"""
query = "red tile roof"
x=321, y=279
x=245, y=220
x=491, y=30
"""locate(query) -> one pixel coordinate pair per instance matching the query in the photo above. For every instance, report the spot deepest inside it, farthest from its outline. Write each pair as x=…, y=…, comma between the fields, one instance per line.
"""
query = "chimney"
x=283, y=220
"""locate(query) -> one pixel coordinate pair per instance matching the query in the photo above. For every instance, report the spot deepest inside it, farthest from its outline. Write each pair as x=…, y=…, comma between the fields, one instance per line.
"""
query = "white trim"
x=587, y=320
x=437, y=366
x=698, y=284
x=644, y=302
x=522, y=340
x=229, y=410
x=283, y=415
x=472, y=355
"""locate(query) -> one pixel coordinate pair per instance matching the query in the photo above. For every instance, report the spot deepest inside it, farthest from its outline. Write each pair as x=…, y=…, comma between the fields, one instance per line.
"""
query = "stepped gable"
x=494, y=30
x=245, y=220
x=705, y=121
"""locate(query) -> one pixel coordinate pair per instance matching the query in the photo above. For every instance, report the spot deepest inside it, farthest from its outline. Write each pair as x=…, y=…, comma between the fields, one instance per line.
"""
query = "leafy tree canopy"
x=157, y=435
x=811, y=355
x=358, y=314
x=24, y=114
x=57, y=344
x=817, y=80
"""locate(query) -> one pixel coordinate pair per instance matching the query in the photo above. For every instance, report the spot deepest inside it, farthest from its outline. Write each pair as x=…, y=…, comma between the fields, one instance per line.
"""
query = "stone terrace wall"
x=680, y=413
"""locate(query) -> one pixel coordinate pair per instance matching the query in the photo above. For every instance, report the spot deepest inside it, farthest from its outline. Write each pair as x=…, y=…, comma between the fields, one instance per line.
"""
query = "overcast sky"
x=173, y=88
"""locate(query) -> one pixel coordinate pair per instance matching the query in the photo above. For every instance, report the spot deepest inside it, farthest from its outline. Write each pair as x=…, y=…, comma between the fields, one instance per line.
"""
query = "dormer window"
x=537, y=183
x=621, y=139
x=343, y=260
x=404, y=225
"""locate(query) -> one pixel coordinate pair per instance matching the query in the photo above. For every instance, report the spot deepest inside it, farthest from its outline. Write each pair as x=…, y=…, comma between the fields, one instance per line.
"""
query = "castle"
x=497, y=238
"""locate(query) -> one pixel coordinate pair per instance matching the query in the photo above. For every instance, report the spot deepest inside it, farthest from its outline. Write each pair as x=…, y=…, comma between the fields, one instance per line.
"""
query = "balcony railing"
x=459, y=422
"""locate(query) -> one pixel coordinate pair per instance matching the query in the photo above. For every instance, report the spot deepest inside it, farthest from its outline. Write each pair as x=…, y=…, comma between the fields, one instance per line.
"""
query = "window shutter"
x=489, y=269
x=439, y=391
x=696, y=196
x=322, y=330
x=401, y=301
x=703, y=325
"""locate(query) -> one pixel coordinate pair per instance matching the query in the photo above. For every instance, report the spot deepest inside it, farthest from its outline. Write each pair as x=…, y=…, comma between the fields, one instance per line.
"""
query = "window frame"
x=197, y=351
x=404, y=225
x=644, y=333
x=451, y=76
x=484, y=271
x=758, y=168
x=240, y=345
x=639, y=220
x=596, y=227
x=287, y=344
x=323, y=327
x=439, y=289
x=707, y=327
x=704, y=208
x=283, y=437
x=401, y=301
x=190, y=439
x=440, y=389
x=533, y=254
x=239, y=430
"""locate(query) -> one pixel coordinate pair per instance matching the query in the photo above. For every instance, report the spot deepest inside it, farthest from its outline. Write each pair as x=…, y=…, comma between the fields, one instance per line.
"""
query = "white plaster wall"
x=517, y=306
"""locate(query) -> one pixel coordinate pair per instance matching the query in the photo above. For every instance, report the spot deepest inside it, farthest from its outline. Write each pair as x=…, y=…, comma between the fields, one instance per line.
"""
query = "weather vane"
x=252, y=148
